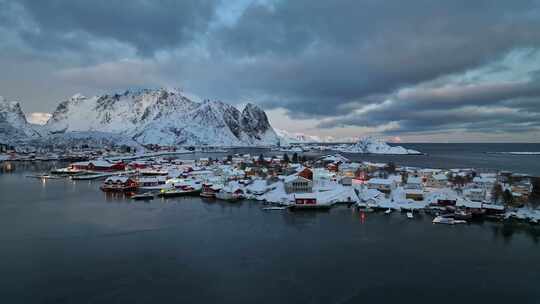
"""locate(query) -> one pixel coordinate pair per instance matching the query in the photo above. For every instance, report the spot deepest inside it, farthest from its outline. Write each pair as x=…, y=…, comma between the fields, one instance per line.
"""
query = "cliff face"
x=13, y=124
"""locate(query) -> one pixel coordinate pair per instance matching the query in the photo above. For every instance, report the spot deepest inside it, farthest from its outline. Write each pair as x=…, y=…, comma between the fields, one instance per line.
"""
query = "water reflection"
x=509, y=229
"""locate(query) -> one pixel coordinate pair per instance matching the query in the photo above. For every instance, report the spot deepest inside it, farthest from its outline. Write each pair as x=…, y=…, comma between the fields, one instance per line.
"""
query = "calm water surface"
x=67, y=242
x=479, y=156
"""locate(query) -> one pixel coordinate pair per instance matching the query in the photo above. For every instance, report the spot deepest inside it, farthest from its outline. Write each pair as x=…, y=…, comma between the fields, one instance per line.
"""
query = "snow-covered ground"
x=327, y=195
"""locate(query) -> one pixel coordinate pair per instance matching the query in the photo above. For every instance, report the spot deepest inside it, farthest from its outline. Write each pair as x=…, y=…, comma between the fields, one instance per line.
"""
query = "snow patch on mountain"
x=38, y=118
x=374, y=145
x=287, y=138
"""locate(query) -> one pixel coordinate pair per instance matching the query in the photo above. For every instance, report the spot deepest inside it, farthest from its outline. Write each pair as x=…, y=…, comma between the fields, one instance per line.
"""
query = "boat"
x=462, y=215
x=178, y=192
x=209, y=190
x=44, y=176
x=410, y=215
x=274, y=208
x=447, y=220
x=143, y=196
x=66, y=171
x=90, y=176
x=388, y=211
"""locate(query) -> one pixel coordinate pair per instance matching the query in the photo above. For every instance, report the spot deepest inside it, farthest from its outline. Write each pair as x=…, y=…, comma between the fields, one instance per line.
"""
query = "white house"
x=475, y=194
x=382, y=184
x=437, y=181
x=414, y=182
x=484, y=182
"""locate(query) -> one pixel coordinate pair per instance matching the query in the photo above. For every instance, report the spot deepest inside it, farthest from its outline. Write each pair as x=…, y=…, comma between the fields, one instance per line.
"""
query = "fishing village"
x=294, y=181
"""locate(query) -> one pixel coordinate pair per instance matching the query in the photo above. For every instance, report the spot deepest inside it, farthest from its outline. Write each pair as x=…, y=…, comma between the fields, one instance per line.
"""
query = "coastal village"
x=288, y=179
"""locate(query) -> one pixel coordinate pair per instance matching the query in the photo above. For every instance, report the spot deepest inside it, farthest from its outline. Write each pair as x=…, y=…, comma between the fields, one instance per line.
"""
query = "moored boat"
x=447, y=220
x=178, y=192
x=143, y=196
x=210, y=190
x=90, y=176
x=44, y=176
x=274, y=208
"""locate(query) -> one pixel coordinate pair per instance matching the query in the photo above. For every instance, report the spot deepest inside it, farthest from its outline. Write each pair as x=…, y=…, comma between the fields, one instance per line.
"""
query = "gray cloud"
x=345, y=50
x=316, y=59
x=148, y=26
x=503, y=107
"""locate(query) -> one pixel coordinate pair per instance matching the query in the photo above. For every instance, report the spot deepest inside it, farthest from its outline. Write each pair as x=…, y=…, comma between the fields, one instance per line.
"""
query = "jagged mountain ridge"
x=161, y=116
x=13, y=124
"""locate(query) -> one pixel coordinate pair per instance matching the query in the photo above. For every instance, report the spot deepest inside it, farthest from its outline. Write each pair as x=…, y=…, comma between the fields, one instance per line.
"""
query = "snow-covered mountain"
x=374, y=145
x=164, y=117
x=13, y=125
x=287, y=138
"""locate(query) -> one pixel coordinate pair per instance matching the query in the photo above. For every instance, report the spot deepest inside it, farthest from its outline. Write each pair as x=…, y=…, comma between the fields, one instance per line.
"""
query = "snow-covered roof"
x=380, y=181
x=305, y=196
x=160, y=178
x=291, y=178
x=97, y=163
x=414, y=180
x=117, y=179
x=335, y=158
x=493, y=206
x=414, y=191
x=473, y=190
x=440, y=177
x=484, y=180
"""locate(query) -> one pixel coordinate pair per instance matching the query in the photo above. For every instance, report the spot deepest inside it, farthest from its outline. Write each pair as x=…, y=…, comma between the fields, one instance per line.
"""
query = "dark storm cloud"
x=148, y=26
x=316, y=59
x=340, y=51
x=507, y=106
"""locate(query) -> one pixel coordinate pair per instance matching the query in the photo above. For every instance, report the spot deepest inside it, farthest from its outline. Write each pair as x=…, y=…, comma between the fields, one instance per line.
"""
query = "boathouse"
x=305, y=199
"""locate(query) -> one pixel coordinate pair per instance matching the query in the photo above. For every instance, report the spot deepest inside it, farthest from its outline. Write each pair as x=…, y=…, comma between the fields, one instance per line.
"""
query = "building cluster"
x=308, y=183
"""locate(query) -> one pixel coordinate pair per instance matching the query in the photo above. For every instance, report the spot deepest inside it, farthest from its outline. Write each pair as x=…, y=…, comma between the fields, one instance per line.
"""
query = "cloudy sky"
x=421, y=70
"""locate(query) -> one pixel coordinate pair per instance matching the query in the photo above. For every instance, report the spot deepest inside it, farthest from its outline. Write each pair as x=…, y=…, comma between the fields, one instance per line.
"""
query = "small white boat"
x=410, y=215
x=274, y=208
x=447, y=220
x=388, y=211
x=44, y=176
x=91, y=176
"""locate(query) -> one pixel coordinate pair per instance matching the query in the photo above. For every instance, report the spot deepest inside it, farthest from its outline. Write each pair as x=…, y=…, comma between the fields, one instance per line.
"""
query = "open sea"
x=63, y=241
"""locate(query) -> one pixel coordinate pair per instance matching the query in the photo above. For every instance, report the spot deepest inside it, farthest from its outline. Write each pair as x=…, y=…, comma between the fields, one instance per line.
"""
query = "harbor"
x=306, y=181
x=260, y=214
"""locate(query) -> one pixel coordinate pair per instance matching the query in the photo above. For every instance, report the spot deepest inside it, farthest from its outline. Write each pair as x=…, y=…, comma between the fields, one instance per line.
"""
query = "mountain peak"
x=78, y=96
x=165, y=116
